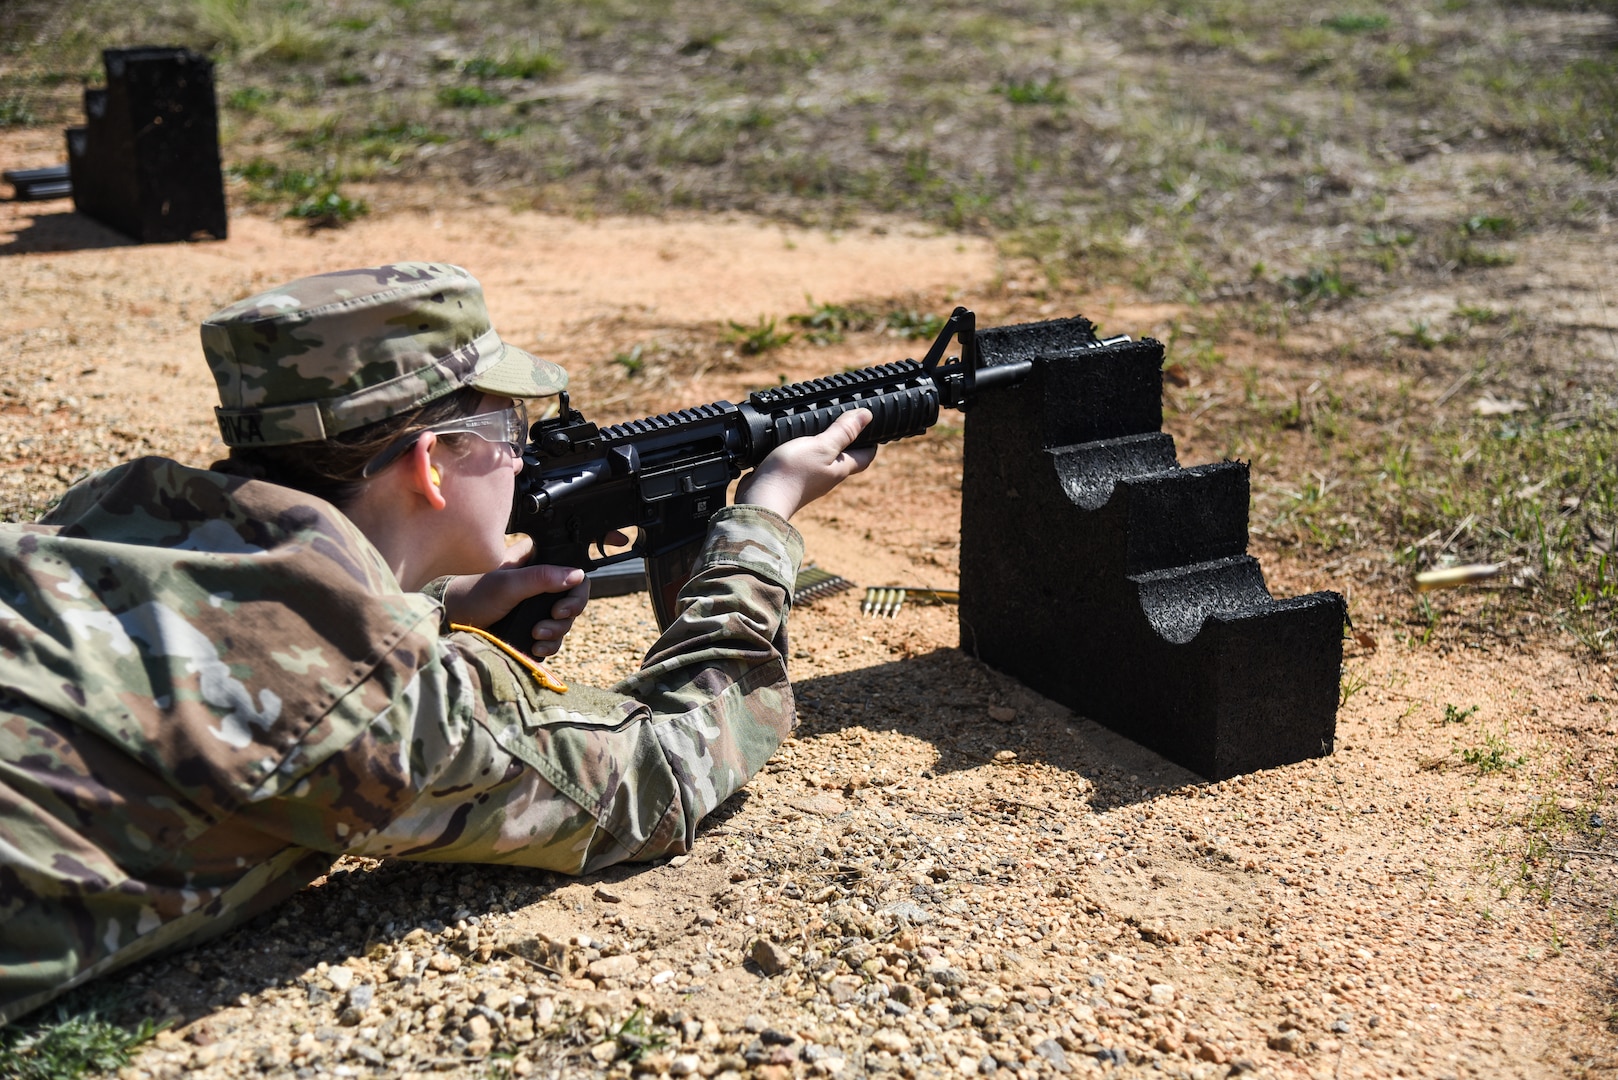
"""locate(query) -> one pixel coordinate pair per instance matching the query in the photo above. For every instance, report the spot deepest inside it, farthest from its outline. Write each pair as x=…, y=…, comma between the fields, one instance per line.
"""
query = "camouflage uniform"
x=211, y=686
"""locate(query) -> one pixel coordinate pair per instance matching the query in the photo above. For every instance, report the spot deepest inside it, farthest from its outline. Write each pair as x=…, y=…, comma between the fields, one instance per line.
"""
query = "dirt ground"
x=952, y=875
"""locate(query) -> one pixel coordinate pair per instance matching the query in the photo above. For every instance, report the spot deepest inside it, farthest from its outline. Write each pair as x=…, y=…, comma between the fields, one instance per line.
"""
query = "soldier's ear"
x=424, y=477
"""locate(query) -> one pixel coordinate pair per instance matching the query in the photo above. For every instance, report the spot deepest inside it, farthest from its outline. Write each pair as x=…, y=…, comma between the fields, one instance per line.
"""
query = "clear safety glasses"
x=509, y=426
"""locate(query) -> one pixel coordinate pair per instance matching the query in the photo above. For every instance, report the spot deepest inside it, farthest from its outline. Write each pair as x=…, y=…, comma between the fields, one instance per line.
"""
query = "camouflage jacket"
x=210, y=687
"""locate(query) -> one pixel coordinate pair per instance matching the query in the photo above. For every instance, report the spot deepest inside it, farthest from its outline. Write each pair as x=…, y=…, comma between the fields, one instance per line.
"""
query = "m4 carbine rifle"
x=667, y=475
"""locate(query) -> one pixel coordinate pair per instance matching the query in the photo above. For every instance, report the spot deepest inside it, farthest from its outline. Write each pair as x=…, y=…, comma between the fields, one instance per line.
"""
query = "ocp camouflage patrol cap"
x=334, y=352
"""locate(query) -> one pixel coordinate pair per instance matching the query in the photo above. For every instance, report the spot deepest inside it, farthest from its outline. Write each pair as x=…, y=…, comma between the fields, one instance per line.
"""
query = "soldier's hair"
x=331, y=469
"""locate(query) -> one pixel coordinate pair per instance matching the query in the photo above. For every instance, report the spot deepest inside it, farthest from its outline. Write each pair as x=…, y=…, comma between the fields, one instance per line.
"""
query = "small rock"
x=907, y=910
x=1005, y=757
x=1052, y=1052
x=361, y=996
x=605, y=1052
x=843, y=988
x=1287, y=1042
x=544, y=1010
x=776, y=1037
x=1002, y=714
x=772, y=959
x=367, y=1053
x=905, y=994
x=608, y=896
x=891, y=1041
x=402, y=965
x=611, y=967
x=341, y=978
x=445, y=962
x=1341, y=1027
x=1112, y=1055
x=685, y=1064
x=1161, y=994
x=755, y=1023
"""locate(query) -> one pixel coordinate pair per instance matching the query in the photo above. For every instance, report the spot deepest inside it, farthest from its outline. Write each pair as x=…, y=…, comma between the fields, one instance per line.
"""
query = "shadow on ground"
x=63, y=230
x=945, y=698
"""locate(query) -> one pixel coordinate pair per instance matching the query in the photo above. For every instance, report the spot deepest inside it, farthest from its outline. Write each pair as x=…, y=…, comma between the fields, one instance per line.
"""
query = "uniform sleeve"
x=477, y=762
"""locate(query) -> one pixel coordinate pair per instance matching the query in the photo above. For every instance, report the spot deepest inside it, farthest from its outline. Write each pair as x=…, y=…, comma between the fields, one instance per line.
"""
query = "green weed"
x=633, y=362
x=637, y=1036
x=913, y=324
x=516, y=65
x=1033, y=91
x=331, y=209
x=1421, y=335
x=310, y=196
x=1319, y=284
x=1455, y=715
x=826, y=324
x=1350, y=683
x=250, y=98
x=15, y=112
x=761, y=337
x=468, y=97
x=1353, y=23
x=1479, y=315
x=1495, y=755
x=68, y=1045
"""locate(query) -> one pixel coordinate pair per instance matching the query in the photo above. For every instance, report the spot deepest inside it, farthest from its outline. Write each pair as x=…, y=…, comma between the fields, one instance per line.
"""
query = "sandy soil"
x=955, y=876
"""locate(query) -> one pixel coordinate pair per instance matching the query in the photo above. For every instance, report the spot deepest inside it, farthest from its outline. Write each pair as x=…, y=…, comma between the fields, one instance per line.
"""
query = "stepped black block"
x=146, y=161
x=1099, y=572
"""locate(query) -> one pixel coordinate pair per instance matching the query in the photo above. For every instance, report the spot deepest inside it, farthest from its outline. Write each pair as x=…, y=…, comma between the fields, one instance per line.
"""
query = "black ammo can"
x=146, y=161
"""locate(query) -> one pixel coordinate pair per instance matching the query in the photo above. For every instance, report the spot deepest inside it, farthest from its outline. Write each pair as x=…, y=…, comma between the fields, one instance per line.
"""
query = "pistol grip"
x=517, y=627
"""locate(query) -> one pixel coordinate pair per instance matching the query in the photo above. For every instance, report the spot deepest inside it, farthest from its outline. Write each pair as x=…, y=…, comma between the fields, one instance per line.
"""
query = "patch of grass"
x=637, y=1036
x=1355, y=23
x=64, y=1045
x=1494, y=756
x=251, y=30
x=513, y=65
x=328, y=210
x=1479, y=314
x=250, y=98
x=761, y=337
x=1568, y=109
x=391, y=141
x=311, y=196
x=468, y=97
x=913, y=325
x=1349, y=684
x=1049, y=91
x=15, y=112
x=826, y=324
x=1319, y=284
x=633, y=362
x=1421, y=335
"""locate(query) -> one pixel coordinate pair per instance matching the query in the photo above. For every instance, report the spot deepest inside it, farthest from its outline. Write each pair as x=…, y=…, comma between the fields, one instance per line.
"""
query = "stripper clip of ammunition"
x=885, y=601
